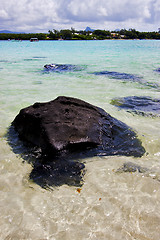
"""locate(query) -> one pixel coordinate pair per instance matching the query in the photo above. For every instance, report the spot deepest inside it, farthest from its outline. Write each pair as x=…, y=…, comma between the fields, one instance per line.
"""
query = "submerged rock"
x=62, y=67
x=57, y=173
x=140, y=105
x=67, y=129
x=129, y=77
x=132, y=167
x=47, y=171
x=158, y=70
x=120, y=76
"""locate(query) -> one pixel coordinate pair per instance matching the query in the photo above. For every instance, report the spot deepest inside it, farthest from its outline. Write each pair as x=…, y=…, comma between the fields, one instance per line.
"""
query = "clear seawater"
x=109, y=206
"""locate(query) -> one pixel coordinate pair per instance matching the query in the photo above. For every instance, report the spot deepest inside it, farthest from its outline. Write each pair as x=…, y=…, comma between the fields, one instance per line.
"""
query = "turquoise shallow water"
x=110, y=205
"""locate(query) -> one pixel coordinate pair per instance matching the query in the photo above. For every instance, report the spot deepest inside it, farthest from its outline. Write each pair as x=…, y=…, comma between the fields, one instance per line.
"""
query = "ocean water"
x=109, y=205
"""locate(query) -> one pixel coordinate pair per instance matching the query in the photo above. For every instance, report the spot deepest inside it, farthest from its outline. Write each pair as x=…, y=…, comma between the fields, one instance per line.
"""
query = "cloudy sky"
x=44, y=15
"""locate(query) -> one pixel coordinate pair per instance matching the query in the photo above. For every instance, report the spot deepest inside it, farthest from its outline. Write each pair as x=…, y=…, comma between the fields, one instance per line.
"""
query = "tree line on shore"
x=72, y=34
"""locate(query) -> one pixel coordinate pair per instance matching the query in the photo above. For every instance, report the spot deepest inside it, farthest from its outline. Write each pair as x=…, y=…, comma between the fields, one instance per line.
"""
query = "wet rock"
x=67, y=125
x=62, y=67
x=62, y=132
x=142, y=105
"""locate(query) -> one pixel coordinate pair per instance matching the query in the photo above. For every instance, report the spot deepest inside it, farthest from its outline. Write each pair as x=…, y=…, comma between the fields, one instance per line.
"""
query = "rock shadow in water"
x=142, y=105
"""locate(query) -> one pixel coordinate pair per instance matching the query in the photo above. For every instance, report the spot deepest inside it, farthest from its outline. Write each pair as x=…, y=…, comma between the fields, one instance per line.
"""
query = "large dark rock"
x=141, y=105
x=67, y=125
x=65, y=130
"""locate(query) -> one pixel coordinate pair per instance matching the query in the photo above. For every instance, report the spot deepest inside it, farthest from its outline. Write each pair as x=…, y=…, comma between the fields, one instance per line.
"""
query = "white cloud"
x=36, y=15
x=147, y=13
x=3, y=14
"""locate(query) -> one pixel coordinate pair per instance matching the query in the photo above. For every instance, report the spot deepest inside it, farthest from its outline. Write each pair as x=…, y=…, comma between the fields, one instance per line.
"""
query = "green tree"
x=54, y=35
x=66, y=34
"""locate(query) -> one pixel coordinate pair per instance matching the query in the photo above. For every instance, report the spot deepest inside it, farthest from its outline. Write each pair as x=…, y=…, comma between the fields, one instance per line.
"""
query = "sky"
x=43, y=15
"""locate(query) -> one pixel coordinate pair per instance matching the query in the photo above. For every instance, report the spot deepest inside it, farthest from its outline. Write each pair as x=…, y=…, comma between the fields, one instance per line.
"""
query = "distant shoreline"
x=73, y=40
x=73, y=34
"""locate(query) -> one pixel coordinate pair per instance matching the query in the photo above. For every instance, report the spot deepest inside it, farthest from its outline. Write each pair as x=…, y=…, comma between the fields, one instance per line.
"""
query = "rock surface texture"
x=67, y=125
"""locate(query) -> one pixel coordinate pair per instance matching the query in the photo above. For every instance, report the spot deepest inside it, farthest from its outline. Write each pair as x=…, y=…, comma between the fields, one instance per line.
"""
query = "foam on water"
x=109, y=205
